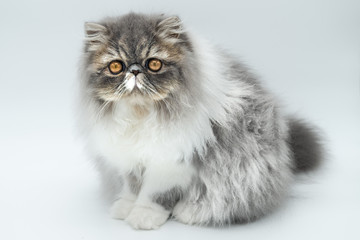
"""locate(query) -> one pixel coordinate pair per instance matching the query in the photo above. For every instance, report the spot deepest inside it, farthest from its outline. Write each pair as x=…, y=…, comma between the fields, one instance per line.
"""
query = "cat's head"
x=136, y=56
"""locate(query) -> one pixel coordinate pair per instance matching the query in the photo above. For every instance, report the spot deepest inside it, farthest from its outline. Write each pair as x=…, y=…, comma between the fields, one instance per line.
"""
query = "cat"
x=179, y=128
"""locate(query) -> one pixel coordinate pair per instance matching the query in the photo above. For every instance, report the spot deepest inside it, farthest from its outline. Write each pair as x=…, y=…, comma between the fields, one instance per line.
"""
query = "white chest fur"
x=125, y=141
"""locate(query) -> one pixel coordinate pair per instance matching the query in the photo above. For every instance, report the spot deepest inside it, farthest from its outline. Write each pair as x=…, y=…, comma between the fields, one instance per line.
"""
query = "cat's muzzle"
x=135, y=69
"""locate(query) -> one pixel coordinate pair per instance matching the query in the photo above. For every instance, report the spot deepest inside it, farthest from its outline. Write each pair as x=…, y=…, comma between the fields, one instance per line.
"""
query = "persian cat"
x=179, y=128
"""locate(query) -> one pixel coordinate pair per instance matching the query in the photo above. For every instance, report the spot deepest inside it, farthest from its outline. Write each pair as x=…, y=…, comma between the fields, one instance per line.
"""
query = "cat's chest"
x=128, y=145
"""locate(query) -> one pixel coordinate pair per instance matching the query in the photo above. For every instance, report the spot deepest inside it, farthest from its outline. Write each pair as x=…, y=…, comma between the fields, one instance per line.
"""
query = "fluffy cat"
x=179, y=128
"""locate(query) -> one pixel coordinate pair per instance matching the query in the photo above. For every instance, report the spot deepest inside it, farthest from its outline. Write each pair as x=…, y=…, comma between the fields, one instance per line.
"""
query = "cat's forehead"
x=134, y=37
x=142, y=48
x=133, y=34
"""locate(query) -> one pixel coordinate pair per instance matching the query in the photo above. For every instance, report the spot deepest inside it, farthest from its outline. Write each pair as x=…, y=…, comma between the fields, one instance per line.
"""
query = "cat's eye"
x=154, y=64
x=116, y=67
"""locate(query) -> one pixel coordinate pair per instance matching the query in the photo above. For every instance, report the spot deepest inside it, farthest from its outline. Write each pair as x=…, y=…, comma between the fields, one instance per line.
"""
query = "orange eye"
x=154, y=64
x=115, y=67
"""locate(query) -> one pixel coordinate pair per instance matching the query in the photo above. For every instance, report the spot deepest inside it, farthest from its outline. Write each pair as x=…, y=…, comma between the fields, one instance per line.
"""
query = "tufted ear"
x=170, y=28
x=95, y=34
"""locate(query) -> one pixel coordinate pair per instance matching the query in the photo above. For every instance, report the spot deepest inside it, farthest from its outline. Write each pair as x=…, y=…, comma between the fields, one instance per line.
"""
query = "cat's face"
x=136, y=56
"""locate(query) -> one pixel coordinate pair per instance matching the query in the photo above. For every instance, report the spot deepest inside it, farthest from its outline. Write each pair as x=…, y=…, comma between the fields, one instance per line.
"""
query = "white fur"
x=162, y=177
x=126, y=141
x=190, y=213
x=121, y=208
x=220, y=93
x=130, y=81
x=147, y=218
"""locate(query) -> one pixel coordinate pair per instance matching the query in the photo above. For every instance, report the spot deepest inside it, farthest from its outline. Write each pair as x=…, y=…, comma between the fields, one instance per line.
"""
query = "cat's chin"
x=138, y=95
x=133, y=95
x=137, y=99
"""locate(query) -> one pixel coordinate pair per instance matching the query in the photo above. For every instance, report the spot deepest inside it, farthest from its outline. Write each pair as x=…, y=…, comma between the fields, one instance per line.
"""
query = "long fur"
x=306, y=144
x=204, y=142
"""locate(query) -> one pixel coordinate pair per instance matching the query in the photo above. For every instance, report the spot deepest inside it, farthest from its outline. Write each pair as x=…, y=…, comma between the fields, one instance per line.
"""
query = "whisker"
x=102, y=110
x=148, y=87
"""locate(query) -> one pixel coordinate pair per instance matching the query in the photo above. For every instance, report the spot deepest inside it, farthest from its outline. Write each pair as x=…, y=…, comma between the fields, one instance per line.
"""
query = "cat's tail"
x=306, y=143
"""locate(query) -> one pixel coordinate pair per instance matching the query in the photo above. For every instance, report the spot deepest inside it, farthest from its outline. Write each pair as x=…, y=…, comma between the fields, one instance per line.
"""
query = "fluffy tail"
x=305, y=142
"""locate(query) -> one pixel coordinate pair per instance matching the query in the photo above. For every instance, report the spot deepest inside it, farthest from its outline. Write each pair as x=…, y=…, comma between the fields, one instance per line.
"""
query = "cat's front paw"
x=121, y=208
x=147, y=218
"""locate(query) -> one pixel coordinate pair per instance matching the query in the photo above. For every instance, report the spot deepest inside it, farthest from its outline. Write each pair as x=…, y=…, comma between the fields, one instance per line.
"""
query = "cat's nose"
x=135, y=69
x=135, y=72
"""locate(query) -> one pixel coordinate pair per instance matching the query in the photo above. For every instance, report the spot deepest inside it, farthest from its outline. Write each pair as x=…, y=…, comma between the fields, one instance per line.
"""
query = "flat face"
x=141, y=42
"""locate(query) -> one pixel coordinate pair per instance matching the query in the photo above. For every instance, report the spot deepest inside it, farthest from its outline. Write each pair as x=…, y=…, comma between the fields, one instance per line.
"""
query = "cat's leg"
x=161, y=189
x=125, y=201
x=195, y=208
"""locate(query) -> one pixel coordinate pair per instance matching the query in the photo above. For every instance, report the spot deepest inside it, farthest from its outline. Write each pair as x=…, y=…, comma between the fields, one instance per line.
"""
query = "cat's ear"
x=95, y=35
x=170, y=28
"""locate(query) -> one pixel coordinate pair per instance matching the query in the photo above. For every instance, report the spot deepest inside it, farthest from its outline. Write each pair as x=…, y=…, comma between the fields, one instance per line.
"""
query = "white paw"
x=183, y=214
x=191, y=214
x=147, y=218
x=121, y=208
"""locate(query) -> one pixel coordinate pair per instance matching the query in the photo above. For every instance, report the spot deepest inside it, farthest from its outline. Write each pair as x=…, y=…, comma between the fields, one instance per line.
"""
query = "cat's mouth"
x=137, y=85
x=133, y=83
x=133, y=79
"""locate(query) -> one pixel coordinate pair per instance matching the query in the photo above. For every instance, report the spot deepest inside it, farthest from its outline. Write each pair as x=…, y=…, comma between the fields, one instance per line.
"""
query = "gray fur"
x=244, y=171
x=169, y=198
x=253, y=133
x=237, y=154
x=306, y=144
x=135, y=182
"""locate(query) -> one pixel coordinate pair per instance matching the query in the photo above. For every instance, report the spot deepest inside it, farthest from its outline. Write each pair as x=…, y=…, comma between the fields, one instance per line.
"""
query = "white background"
x=306, y=52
